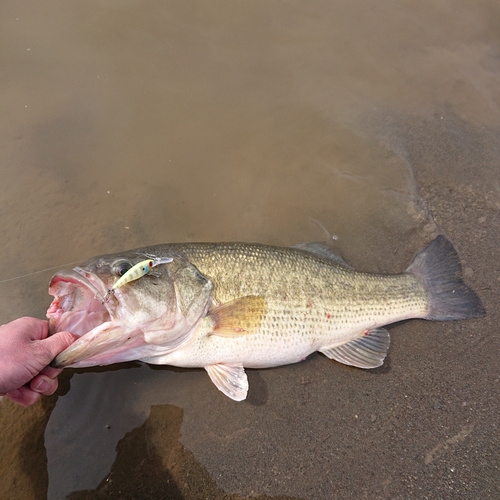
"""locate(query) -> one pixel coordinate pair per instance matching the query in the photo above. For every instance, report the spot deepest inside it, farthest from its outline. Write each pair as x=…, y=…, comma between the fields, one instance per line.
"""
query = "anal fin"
x=229, y=379
x=368, y=351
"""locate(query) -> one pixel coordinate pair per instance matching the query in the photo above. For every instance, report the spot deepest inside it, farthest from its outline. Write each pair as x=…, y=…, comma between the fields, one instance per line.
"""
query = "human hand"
x=25, y=353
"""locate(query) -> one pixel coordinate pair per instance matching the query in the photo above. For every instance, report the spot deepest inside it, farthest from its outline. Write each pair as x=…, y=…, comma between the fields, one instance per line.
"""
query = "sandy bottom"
x=125, y=125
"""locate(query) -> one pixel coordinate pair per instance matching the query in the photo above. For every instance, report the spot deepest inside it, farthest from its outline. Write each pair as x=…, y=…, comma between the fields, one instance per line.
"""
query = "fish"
x=225, y=307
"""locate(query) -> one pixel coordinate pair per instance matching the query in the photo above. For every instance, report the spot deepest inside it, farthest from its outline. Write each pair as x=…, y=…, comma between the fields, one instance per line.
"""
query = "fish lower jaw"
x=102, y=352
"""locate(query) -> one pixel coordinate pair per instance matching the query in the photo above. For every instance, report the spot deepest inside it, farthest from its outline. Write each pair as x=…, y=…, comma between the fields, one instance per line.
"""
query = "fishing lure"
x=136, y=272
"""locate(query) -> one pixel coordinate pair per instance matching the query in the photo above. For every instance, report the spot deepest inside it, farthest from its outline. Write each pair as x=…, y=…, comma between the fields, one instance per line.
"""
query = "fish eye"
x=121, y=268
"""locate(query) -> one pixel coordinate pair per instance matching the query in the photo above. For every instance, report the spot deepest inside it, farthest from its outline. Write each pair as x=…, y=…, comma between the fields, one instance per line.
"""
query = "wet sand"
x=126, y=125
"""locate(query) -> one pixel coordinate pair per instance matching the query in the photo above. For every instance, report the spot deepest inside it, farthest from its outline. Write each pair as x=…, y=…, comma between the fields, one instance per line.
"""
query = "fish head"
x=148, y=316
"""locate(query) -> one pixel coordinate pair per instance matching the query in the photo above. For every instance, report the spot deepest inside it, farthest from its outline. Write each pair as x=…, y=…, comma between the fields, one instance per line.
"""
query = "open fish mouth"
x=79, y=307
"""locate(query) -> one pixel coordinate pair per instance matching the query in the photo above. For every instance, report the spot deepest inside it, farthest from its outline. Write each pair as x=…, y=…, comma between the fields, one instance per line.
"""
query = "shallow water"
x=126, y=124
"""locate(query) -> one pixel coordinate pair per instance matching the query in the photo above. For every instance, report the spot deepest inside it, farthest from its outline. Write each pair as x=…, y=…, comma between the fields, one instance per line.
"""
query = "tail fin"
x=438, y=268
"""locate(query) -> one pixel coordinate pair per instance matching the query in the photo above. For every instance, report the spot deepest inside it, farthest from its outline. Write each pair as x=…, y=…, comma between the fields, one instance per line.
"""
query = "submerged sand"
x=126, y=125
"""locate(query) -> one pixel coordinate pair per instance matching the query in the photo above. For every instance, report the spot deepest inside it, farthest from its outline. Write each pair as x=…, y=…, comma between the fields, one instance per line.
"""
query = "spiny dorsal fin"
x=323, y=250
x=368, y=351
x=229, y=379
x=239, y=317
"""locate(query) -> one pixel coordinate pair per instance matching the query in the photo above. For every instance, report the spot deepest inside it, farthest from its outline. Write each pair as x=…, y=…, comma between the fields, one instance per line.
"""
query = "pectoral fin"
x=368, y=351
x=239, y=317
x=229, y=379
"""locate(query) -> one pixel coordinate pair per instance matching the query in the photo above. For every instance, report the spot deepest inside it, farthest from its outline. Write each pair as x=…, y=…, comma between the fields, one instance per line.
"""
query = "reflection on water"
x=139, y=470
x=102, y=408
x=167, y=470
x=125, y=125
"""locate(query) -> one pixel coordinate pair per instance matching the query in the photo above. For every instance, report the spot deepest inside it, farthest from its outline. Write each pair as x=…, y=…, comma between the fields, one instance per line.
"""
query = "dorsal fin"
x=323, y=250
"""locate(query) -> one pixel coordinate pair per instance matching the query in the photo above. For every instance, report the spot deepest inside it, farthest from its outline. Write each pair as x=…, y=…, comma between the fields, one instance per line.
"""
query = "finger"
x=56, y=343
x=44, y=385
x=24, y=396
x=51, y=372
x=36, y=329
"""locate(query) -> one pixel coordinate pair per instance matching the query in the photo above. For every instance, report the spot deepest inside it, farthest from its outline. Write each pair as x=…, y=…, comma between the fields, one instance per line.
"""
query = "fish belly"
x=255, y=351
x=288, y=342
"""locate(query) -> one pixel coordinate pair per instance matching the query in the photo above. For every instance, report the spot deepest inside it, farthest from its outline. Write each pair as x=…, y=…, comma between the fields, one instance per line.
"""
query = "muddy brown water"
x=127, y=123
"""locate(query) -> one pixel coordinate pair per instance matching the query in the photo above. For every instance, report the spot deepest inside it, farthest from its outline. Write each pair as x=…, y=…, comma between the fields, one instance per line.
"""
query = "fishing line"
x=42, y=271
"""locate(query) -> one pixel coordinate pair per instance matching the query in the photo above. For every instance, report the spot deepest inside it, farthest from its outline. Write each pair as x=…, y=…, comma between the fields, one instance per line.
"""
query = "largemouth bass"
x=227, y=306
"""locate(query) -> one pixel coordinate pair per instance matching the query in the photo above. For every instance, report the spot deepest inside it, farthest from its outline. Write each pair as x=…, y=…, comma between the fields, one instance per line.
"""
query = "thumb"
x=56, y=343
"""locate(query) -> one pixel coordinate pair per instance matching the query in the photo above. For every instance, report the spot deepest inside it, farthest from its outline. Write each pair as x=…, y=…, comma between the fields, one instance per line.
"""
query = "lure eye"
x=122, y=268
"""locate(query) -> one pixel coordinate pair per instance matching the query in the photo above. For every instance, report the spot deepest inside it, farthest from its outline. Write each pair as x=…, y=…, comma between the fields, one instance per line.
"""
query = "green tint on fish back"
x=306, y=294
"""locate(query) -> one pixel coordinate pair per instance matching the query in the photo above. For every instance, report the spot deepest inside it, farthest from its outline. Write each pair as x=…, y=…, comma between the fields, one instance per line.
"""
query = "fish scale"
x=290, y=278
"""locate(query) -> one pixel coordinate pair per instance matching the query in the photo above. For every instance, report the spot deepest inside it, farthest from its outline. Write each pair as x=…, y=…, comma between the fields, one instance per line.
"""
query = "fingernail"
x=42, y=386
